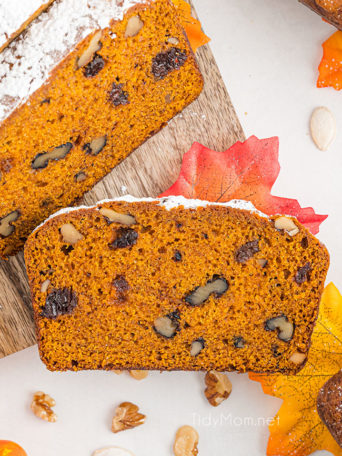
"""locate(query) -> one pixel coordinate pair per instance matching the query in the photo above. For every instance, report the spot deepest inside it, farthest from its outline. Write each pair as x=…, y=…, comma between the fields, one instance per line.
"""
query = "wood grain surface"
x=148, y=171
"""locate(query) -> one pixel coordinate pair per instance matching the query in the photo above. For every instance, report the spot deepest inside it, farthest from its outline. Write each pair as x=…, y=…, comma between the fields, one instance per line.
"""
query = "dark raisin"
x=239, y=342
x=177, y=256
x=275, y=351
x=303, y=274
x=95, y=66
x=45, y=101
x=304, y=242
x=126, y=237
x=59, y=302
x=121, y=284
x=246, y=252
x=118, y=96
x=165, y=62
x=74, y=363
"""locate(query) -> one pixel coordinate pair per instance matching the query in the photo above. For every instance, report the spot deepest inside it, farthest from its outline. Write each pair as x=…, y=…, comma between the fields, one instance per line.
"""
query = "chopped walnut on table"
x=186, y=442
x=42, y=407
x=218, y=388
x=127, y=416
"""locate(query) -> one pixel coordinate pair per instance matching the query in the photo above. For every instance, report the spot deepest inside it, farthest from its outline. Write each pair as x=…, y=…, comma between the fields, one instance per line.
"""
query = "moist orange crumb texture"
x=106, y=98
x=212, y=288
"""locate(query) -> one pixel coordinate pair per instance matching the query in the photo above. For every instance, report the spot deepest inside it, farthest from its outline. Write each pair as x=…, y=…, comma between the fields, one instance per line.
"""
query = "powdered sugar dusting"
x=13, y=14
x=27, y=62
x=168, y=202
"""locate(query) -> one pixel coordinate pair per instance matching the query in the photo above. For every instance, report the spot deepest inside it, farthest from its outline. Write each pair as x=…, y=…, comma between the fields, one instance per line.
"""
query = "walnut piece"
x=69, y=234
x=6, y=227
x=286, y=224
x=45, y=285
x=173, y=40
x=217, y=286
x=42, y=159
x=281, y=324
x=41, y=407
x=218, y=388
x=134, y=25
x=138, y=374
x=113, y=216
x=197, y=346
x=297, y=357
x=93, y=47
x=262, y=262
x=95, y=146
x=168, y=325
x=127, y=416
x=186, y=441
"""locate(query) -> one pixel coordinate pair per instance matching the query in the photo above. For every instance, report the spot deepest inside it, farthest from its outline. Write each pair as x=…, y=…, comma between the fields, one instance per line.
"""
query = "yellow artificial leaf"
x=297, y=429
x=192, y=26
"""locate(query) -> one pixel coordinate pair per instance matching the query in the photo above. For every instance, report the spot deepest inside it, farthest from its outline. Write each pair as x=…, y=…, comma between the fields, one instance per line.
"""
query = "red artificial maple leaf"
x=248, y=171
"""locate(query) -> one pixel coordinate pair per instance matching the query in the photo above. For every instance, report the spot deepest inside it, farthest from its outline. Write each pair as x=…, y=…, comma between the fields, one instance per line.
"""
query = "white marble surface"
x=268, y=52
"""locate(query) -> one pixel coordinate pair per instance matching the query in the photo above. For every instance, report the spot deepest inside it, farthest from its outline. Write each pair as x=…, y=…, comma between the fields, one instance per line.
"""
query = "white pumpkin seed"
x=112, y=451
x=322, y=127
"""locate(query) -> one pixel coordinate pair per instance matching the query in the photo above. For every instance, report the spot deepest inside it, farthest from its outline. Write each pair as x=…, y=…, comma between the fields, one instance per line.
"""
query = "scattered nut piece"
x=298, y=357
x=186, y=442
x=93, y=47
x=246, y=251
x=127, y=416
x=45, y=286
x=41, y=407
x=262, y=262
x=286, y=224
x=95, y=146
x=112, y=451
x=167, y=326
x=42, y=159
x=197, y=346
x=173, y=40
x=134, y=25
x=138, y=374
x=217, y=285
x=117, y=372
x=69, y=234
x=218, y=388
x=6, y=227
x=113, y=216
x=281, y=324
x=322, y=127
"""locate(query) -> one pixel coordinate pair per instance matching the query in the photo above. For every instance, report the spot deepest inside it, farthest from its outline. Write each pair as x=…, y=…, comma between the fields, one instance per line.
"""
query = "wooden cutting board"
x=148, y=171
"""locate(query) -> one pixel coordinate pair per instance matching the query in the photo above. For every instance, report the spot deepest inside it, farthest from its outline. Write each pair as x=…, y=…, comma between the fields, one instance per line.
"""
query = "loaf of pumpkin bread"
x=330, y=10
x=174, y=284
x=112, y=91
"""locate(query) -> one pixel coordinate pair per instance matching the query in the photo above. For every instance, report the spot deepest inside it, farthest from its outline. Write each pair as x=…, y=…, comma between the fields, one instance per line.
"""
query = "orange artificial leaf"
x=330, y=68
x=8, y=448
x=297, y=429
x=246, y=171
x=192, y=26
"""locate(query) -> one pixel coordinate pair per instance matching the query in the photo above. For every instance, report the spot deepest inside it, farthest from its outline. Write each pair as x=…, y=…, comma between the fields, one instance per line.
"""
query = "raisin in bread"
x=329, y=406
x=174, y=284
x=119, y=86
x=330, y=10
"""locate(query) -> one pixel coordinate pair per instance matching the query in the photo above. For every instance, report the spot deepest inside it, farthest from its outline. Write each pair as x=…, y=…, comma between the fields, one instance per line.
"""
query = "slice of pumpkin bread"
x=174, y=284
x=113, y=90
